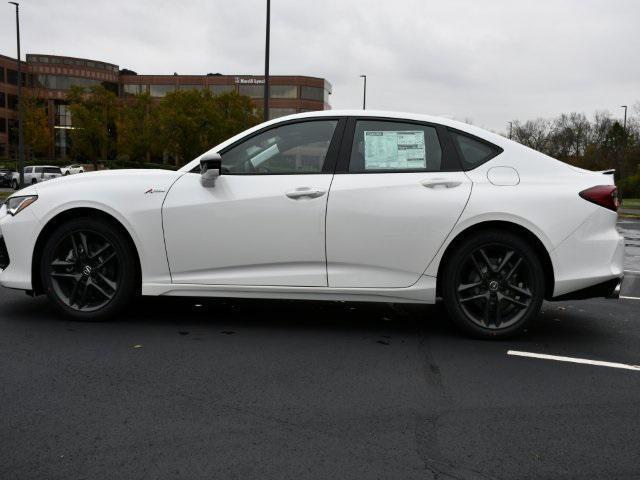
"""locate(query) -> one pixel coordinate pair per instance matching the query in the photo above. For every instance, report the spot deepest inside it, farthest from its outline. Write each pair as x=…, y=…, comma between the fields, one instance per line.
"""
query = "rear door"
x=397, y=193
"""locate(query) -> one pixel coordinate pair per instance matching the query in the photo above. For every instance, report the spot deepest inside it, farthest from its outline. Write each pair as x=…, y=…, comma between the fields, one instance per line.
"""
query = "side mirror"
x=210, y=169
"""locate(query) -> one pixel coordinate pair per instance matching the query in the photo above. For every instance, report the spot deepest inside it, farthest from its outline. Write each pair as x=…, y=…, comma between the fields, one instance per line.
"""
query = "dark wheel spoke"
x=101, y=251
x=83, y=243
x=513, y=269
x=82, y=292
x=505, y=260
x=484, y=296
x=523, y=291
x=73, y=276
x=104, y=261
x=467, y=286
x=477, y=266
x=515, y=301
x=62, y=263
x=74, y=293
x=101, y=290
x=484, y=256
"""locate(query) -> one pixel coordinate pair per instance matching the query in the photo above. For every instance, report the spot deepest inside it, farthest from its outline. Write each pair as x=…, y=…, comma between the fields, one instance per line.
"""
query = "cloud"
x=490, y=61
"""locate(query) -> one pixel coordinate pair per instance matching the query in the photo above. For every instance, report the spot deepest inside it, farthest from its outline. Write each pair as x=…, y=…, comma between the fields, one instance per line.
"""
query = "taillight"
x=604, y=195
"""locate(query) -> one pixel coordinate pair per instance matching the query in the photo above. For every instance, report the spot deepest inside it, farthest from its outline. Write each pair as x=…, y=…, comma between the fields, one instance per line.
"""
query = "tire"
x=88, y=269
x=16, y=186
x=489, y=292
x=33, y=181
x=67, y=172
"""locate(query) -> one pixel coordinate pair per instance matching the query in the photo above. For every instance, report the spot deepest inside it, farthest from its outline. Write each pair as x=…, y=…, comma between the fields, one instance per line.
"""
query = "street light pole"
x=20, y=109
x=266, y=64
x=625, y=118
x=364, y=93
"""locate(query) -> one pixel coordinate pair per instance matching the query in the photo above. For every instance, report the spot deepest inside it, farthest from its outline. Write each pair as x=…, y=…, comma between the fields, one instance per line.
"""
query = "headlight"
x=16, y=204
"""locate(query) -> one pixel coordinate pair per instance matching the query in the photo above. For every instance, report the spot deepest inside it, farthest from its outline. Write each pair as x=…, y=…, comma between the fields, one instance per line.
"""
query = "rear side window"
x=37, y=170
x=472, y=151
x=51, y=170
x=388, y=146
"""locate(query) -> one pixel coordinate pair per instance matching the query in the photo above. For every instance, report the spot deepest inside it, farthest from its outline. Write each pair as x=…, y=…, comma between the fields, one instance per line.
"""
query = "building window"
x=195, y=86
x=280, y=112
x=1, y=74
x=313, y=93
x=3, y=125
x=283, y=91
x=253, y=91
x=220, y=89
x=12, y=102
x=63, y=115
x=161, y=90
x=133, y=89
x=12, y=76
x=2, y=100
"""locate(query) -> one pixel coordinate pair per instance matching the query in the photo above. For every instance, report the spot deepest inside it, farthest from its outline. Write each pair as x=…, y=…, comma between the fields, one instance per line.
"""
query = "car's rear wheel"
x=15, y=185
x=88, y=269
x=493, y=284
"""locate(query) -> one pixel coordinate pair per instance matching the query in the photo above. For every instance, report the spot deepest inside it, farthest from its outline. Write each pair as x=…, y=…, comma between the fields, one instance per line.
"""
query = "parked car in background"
x=72, y=169
x=6, y=177
x=37, y=174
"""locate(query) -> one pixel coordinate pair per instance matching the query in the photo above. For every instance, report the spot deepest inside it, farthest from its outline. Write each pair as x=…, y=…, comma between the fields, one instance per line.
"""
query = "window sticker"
x=394, y=150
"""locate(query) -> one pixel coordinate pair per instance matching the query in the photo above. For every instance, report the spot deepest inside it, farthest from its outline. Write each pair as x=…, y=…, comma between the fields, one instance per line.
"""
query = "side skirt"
x=423, y=291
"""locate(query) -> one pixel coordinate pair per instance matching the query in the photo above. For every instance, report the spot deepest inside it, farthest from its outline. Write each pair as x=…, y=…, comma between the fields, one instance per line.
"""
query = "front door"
x=393, y=202
x=263, y=223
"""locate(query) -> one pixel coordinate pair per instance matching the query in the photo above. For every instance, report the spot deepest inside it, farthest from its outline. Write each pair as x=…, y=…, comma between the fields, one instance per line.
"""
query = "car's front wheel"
x=88, y=269
x=493, y=284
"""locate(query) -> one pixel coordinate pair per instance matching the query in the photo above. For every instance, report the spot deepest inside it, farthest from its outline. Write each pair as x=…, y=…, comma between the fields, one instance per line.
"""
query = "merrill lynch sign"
x=250, y=81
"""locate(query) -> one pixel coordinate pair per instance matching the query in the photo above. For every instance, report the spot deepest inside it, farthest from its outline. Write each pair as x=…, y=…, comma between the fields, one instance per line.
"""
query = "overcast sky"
x=487, y=61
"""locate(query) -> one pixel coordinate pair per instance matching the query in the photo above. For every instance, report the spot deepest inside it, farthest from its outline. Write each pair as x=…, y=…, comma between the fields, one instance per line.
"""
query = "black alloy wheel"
x=88, y=269
x=494, y=284
x=85, y=271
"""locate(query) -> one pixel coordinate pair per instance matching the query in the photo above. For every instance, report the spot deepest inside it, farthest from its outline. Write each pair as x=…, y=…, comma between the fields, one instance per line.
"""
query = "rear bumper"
x=607, y=289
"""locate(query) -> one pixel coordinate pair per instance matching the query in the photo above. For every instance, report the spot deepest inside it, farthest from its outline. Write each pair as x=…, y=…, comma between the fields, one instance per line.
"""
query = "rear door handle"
x=305, y=192
x=441, y=183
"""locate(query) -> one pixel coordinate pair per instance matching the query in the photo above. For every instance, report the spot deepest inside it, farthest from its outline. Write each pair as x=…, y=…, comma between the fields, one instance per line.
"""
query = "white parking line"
x=630, y=298
x=574, y=360
x=633, y=272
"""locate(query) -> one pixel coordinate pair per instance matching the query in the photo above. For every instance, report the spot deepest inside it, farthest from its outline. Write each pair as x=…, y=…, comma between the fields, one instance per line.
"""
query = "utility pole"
x=510, y=129
x=20, y=106
x=364, y=93
x=266, y=64
x=625, y=118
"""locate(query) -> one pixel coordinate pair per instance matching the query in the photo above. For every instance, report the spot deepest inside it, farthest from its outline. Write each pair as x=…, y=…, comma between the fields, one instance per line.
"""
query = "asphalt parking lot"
x=279, y=389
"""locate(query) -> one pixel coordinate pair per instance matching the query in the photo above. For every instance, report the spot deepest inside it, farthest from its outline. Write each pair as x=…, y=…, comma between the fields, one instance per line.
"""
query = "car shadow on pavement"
x=557, y=322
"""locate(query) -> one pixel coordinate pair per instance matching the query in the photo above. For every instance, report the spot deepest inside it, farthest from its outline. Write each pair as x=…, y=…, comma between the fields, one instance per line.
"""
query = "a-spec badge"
x=155, y=190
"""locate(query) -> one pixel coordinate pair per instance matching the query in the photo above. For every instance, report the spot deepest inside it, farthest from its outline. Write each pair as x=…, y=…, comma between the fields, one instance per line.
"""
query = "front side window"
x=388, y=146
x=473, y=152
x=288, y=149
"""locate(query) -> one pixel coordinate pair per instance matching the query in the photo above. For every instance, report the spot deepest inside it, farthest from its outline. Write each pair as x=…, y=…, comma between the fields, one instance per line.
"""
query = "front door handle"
x=305, y=192
x=440, y=183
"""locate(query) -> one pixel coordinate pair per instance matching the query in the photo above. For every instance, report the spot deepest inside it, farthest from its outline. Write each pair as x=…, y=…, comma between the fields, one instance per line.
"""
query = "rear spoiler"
x=611, y=171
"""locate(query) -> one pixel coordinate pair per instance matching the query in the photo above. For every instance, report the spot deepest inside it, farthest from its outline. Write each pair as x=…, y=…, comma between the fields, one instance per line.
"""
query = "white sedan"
x=334, y=205
x=72, y=169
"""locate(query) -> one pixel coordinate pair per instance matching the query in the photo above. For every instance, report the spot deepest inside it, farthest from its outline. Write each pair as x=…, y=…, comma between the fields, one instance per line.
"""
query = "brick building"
x=50, y=76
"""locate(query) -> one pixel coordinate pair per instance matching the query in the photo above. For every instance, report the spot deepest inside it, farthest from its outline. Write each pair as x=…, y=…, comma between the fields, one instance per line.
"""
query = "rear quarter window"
x=473, y=151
